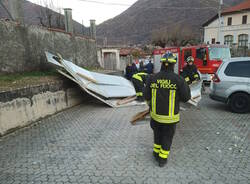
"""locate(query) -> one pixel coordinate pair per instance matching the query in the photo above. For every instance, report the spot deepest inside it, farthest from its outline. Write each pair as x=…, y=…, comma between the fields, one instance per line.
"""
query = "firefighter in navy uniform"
x=139, y=82
x=163, y=93
x=190, y=72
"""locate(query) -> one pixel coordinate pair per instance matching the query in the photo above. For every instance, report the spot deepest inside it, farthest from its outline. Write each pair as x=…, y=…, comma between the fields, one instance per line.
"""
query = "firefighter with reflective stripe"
x=139, y=82
x=163, y=92
x=190, y=72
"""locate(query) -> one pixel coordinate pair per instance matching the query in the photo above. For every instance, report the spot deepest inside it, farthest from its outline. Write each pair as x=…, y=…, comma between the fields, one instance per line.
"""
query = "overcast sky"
x=100, y=10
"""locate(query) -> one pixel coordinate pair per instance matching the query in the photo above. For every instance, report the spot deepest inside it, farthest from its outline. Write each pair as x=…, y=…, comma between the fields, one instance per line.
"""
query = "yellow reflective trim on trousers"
x=164, y=118
x=165, y=152
x=139, y=94
x=156, y=150
x=163, y=156
x=187, y=79
x=157, y=146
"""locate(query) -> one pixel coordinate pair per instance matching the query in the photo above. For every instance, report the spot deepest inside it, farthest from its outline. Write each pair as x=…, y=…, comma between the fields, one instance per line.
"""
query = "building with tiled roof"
x=235, y=26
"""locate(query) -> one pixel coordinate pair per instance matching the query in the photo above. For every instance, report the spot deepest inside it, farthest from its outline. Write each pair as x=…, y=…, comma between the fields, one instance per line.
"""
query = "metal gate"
x=109, y=61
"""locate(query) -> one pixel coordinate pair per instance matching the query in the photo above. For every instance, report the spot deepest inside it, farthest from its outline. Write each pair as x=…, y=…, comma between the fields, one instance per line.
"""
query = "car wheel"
x=240, y=103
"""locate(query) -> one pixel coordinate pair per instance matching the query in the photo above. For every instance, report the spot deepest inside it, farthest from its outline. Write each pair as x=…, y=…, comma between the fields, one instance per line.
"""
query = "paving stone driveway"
x=92, y=143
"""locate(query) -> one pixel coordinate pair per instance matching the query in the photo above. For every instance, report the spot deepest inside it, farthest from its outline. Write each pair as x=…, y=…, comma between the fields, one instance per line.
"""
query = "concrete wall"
x=22, y=48
x=21, y=107
x=110, y=59
x=237, y=28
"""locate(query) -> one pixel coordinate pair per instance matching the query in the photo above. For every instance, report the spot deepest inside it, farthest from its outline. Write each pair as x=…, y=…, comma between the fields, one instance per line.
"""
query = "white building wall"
x=237, y=28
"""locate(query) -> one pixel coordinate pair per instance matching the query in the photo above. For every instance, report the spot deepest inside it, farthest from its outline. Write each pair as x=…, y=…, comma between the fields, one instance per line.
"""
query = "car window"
x=238, y=69
x=187, y=53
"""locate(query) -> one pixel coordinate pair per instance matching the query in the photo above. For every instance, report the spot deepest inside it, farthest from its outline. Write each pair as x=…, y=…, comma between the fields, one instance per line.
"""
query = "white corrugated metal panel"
x=107, y=86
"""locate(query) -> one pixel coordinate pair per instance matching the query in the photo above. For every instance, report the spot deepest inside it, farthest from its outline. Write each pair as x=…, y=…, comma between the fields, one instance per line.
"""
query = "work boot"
x=162, y=162
x=156, y=156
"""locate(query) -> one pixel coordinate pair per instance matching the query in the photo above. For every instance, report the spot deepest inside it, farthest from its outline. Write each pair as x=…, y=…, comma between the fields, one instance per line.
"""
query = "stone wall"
x=22, y=48
x=21, y=107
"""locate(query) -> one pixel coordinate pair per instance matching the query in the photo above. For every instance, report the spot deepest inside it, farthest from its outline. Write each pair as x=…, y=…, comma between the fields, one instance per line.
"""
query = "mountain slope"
x=33, y=13
x=136, y=24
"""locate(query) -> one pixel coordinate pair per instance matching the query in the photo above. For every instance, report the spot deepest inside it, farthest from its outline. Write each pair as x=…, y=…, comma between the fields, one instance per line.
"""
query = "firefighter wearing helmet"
x=163, y=92
x=190, y=72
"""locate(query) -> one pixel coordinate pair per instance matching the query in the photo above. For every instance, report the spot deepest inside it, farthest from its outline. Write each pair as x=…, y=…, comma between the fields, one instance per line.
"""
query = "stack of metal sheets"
x=109, y=89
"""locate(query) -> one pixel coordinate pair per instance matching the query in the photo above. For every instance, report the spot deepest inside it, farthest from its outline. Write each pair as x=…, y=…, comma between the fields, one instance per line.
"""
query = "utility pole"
x=219, y=27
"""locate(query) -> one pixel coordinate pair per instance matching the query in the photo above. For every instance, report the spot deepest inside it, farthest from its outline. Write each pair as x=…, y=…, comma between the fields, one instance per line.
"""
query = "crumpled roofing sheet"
x=195, y=89
x=101, y=86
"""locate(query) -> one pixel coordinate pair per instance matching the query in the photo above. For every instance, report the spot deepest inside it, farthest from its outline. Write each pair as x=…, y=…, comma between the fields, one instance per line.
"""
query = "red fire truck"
x=207, y=58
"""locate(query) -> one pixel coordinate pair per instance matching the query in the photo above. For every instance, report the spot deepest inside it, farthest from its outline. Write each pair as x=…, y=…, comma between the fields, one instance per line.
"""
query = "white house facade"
x=235, y=27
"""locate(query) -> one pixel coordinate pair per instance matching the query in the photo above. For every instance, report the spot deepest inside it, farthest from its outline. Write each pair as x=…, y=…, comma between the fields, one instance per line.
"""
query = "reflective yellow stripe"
x=157, y=146
x=139, y=94
x=171, y=117
x=163, y=156
x=170, y=102
x=137, y=77
x=163, y=59
x=164, y=118
x=154, y=100
x=171, y=60
x=187, y=79
x=156, y=150
x=141, y=73
x=173, y=103
x=196, y=76
x=165, y=152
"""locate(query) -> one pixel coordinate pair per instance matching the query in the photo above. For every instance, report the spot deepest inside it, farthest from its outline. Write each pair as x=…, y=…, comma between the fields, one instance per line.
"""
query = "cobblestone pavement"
x=92, y=143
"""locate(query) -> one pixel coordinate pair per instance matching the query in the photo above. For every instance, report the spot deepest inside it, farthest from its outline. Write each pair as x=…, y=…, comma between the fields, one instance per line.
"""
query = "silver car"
x=231, y=84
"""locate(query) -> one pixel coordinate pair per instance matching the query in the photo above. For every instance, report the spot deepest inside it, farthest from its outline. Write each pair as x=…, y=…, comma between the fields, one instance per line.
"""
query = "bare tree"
x=49, y=18
x=178, y=35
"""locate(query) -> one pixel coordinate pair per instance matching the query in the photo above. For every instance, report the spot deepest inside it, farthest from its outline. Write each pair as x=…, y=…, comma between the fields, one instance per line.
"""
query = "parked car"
x=231, y=84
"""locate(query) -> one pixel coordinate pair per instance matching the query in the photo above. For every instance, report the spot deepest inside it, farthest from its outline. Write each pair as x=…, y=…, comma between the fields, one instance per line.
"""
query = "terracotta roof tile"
x=240, y=7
